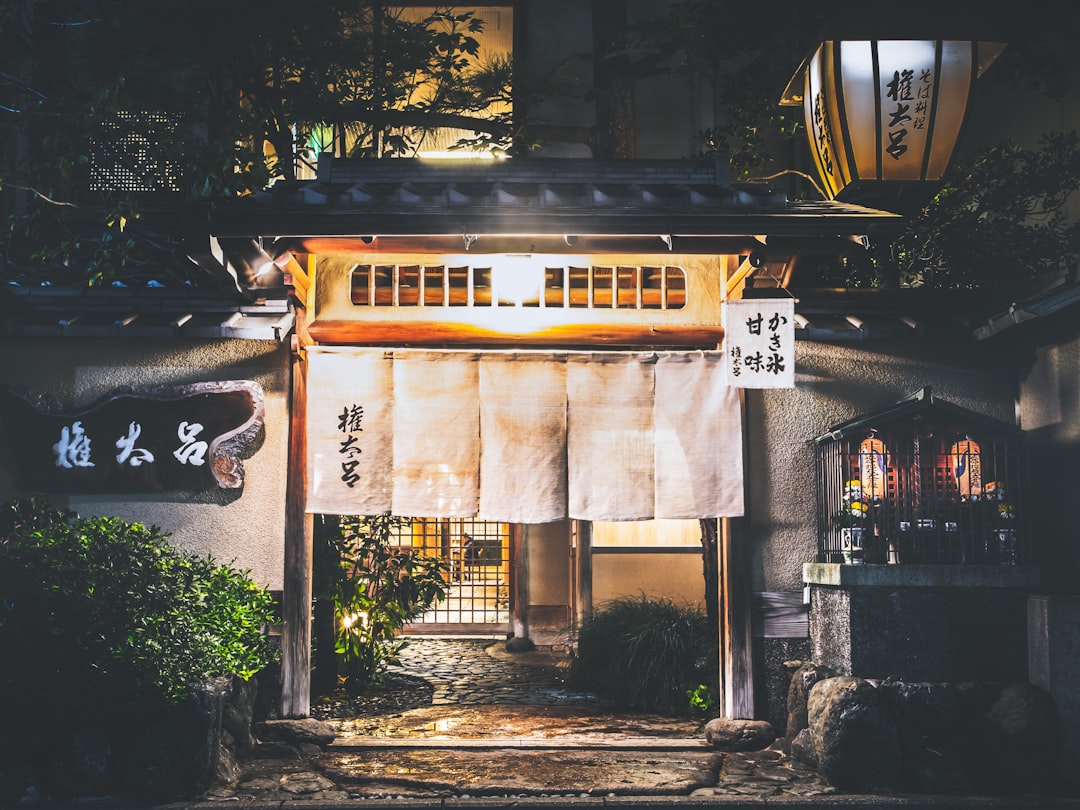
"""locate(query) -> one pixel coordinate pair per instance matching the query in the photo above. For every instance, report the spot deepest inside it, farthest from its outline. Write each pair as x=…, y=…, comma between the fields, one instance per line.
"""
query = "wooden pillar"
x=583, y=570
x=736, y=639
x=519, y=594
x=736, y=601
x=296, y=599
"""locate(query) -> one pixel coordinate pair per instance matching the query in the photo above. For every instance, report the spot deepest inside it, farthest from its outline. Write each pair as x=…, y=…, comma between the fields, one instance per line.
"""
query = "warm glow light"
x=350, y=620
x=517, y=278
x=965, y=461
x=456, y=154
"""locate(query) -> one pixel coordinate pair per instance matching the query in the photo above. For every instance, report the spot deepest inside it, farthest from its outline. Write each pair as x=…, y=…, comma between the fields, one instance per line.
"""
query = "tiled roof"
x=138, y=313
x=541, y=196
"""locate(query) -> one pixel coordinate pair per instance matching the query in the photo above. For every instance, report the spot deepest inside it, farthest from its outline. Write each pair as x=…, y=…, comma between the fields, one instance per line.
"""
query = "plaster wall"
x=244, y=528
x=833, y=383
x=549, y=555
x=675, y=575
x=1050, y=413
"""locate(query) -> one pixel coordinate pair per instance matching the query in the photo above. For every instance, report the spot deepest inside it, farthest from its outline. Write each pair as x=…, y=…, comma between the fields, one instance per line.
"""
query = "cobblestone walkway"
x=474, y=672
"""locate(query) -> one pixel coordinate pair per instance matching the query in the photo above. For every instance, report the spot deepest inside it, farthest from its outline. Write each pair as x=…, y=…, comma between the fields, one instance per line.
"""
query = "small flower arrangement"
x=995, y=493
x=854, y=509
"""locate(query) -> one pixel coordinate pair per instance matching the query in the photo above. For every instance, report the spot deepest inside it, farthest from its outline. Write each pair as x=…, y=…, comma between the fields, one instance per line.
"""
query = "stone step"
x=573, y=742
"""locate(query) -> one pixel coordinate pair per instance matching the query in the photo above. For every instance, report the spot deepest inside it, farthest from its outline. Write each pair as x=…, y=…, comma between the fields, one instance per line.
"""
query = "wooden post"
x=583, y=571
x=519, y=594
x=736, y=601
x=296, y=599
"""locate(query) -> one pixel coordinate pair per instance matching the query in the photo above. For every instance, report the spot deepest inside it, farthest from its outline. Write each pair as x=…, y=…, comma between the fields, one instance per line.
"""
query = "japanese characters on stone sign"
x=169, y=438
x=759, y=342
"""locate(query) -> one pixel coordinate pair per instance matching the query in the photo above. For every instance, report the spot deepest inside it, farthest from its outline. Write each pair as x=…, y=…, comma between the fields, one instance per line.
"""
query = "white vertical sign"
x=759, y=342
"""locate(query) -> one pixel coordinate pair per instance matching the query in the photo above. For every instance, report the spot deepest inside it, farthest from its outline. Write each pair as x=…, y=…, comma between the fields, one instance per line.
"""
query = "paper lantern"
x=886, y=112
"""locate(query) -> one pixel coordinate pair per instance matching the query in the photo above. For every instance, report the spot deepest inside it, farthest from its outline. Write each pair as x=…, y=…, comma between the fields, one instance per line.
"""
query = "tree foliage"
x=109, y=99
x=1000, y=220
x=376, y=587
x=99, y=612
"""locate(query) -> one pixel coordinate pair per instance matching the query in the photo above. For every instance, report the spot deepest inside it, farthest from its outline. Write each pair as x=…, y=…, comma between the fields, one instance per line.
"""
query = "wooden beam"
x=398, y=333
x=296, y=599
x=527, y=243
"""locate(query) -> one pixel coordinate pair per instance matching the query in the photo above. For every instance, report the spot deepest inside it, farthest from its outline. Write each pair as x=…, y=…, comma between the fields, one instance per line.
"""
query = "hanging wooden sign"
x=189, y=437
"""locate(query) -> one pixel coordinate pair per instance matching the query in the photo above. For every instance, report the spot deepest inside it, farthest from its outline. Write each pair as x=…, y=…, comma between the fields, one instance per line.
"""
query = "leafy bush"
x=97, y=613
x=379, y=587
x=644, y=654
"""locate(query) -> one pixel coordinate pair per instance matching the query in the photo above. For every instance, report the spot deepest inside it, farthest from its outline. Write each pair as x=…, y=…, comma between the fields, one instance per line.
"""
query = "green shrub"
x=97, y=613
x=644, y=654
x=378, y=588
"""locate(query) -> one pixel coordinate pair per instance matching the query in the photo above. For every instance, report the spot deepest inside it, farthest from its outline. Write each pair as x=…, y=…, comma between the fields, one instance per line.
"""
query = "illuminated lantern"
x=965, y=461
x=873, y=461
x=883, y=114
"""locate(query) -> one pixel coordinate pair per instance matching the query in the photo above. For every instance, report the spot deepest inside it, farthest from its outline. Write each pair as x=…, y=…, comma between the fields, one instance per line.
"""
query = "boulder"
x=296, y=732
x=854, y=735
x=1021, y=747
x=739, y=735
x=802, y=749
x=804, y=674
x=175, y=755
x=519, y=644
x=934, y=737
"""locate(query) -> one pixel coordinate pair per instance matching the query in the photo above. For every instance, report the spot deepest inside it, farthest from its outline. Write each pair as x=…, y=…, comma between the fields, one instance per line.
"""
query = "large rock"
x=1022, y=744
x=935, y=737
x=804, y=674
x=296, y=732
x=175, y=755
x=854, y=735
x=739, y=735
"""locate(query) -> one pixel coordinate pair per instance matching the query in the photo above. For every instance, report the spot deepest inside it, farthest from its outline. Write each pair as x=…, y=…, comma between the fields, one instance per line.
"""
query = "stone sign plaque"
x=189, y=437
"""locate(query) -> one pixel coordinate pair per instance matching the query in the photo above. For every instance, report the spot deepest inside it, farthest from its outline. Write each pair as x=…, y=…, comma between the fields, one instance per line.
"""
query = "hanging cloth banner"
x=698, y=429
x=522, y=437
x=523, y=425
x=759, y=340
x=436, y=434
x=350, y=430
x=610, y=436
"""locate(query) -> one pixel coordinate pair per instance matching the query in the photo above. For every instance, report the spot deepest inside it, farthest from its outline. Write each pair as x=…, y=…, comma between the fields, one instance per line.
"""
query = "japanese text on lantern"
x=910, y=106
x=349, y=425
x=759, y=338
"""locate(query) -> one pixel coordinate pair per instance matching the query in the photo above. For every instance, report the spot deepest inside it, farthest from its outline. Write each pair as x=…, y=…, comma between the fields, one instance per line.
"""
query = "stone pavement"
x=505, y=730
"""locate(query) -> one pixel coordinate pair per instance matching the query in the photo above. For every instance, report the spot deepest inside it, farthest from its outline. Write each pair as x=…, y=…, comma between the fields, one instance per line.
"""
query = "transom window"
x=594, y=287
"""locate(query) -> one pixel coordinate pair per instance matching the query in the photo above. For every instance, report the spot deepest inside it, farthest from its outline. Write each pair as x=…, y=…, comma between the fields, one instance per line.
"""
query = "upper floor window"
x=570, y=287
x=437, y=83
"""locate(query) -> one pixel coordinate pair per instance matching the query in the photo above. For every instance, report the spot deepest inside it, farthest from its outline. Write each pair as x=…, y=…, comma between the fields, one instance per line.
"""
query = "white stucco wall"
x=244, y=528
x=833, y=383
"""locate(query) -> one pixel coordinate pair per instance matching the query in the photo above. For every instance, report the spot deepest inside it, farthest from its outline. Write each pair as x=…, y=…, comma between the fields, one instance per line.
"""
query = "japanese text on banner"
x=759, y=342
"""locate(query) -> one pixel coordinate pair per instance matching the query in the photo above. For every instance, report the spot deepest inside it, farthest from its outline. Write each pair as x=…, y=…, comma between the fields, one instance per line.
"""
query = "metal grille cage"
x=923, y=482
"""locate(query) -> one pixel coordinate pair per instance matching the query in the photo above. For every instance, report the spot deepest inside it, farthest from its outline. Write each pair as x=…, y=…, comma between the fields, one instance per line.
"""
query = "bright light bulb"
x=517, y=278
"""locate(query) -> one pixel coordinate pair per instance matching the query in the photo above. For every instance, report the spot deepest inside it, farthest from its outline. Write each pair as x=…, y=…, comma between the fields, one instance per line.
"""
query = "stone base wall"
x=946, y=627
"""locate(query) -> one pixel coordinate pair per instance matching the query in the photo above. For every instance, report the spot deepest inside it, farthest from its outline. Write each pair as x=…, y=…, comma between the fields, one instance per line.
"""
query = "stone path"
x=478, y=671
x=508, y=726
